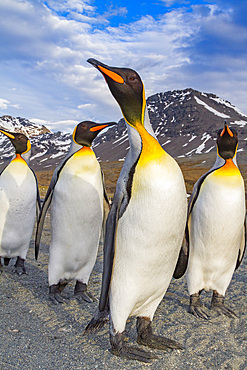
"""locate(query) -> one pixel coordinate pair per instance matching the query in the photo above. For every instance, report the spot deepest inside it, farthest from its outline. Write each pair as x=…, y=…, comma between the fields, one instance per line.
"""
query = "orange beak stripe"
x=114, y=76
x=228, y=130
x=97, y=128
x=7, y=134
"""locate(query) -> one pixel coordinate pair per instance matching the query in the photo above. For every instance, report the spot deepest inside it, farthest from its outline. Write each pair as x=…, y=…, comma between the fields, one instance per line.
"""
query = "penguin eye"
x=132, y=78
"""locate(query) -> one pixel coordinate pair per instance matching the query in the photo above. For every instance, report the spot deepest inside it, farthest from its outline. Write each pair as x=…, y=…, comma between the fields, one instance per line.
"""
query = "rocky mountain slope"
x=185, y=122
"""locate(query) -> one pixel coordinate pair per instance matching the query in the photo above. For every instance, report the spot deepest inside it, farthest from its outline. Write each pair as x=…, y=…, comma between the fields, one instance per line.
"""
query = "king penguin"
x=216, y=227
x=76, y=192
x=19, y=200
x=144, y=229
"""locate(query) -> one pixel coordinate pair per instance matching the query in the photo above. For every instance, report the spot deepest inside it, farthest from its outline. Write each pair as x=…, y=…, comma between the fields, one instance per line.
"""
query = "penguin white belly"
x=216, y=230
x=76, y=220
x=18, y=194
x=149, y=238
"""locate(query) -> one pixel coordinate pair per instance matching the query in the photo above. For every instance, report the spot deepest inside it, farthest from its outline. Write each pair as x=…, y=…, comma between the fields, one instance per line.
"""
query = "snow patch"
x=229, y=105
x=239, y=123
x=210, y=108
x=192, y=138
x=38, y=155
x=167, y=141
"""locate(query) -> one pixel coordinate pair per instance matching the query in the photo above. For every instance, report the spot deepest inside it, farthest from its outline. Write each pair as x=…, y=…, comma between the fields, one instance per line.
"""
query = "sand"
x=35, y=334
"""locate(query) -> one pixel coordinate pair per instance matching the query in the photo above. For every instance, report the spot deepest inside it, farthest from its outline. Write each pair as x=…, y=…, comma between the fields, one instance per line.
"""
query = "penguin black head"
x=20, y=141
x=227, y=142
x=86, y=131
x=127, y=88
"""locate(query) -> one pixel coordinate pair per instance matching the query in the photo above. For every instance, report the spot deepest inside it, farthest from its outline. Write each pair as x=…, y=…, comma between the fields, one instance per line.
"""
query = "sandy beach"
x=35, y=334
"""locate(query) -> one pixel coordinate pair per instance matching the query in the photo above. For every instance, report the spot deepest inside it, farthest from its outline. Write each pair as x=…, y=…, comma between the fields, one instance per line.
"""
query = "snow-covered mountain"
x=185, y=122
x=23, y=125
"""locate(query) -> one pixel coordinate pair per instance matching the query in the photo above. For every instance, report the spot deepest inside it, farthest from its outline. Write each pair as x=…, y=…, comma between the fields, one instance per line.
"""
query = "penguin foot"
x=196, y=308
x=19, y=266
x=218, y=305
x=146, y=337
x=97, y=322
x=55, y=294
x=80, y=293
x=6, y=261
x=121, y=349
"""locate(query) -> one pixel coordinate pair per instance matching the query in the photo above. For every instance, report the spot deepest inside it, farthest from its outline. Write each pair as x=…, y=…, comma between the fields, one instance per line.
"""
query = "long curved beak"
x=11, y=136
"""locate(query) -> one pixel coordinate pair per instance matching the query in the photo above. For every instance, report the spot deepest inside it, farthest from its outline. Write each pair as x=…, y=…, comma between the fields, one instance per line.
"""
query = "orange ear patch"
x=114, y=76
x=228, y=130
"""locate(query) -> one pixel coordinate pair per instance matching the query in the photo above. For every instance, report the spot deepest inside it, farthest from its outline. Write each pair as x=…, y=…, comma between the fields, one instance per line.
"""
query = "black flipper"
x=104, y=189
x=41, y=220
x=109, y=252
x=183, y=258
x=46, y=204
x=101, y=316
x=196, y=190
x=243, y=246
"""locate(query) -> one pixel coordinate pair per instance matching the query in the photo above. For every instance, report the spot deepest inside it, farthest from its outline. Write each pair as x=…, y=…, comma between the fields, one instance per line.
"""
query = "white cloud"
x=44, y=50
x=83, y=106
x=4, y=104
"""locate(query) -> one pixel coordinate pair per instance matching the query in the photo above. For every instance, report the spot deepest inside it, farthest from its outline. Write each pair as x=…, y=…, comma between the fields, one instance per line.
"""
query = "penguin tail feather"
x=97, y=322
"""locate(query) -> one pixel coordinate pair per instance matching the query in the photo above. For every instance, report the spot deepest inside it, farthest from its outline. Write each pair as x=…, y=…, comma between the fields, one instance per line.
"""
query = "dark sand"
x=35, y=334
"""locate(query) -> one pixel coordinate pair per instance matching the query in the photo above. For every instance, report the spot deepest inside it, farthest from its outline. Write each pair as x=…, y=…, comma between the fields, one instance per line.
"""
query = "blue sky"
x=45, y=77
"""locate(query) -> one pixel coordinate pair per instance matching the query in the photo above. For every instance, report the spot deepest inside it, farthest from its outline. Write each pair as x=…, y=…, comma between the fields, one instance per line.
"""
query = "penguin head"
x=86, y=131
x=127, y=88
x=20, y=141
x=227, y=142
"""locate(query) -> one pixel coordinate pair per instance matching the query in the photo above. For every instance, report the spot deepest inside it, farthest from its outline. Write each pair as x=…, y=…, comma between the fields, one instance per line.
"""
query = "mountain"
x=23, y=125
x=185, y=121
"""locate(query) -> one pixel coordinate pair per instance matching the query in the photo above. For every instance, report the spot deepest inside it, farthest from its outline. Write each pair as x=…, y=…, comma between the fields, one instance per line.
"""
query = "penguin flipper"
x=183, y=257
x=242, y=246
x=101, y=316
x=104, y=189
x=41, y=221
x=46, y=204
x=109, y=251
x=196, y=191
